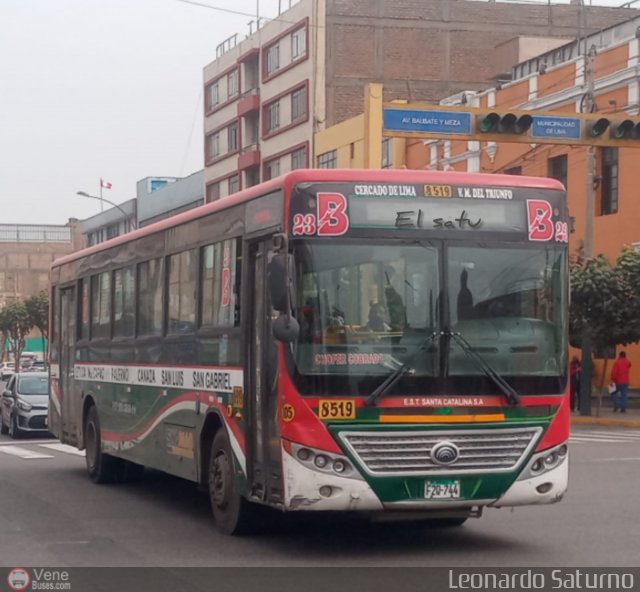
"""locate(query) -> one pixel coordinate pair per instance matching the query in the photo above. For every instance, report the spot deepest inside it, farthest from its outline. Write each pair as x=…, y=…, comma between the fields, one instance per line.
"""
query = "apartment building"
x=259, y=102
x=267, y=95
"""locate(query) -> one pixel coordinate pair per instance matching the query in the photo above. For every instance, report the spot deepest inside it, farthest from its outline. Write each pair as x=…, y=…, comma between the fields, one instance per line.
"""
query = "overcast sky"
x=107, y=89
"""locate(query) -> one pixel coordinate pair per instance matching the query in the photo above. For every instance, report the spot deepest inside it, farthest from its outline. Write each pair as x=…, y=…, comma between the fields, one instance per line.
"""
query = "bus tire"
x=102, y=467
x=232, y=512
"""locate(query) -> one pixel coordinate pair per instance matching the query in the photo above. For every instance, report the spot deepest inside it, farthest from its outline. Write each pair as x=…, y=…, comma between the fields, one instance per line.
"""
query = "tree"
x=605, y=301
x=15, y=321
x=3, y=341
x=38, y=309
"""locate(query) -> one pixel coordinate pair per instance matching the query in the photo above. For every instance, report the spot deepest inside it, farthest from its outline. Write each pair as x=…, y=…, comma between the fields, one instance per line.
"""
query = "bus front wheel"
x=231, y=511
x=102, y=467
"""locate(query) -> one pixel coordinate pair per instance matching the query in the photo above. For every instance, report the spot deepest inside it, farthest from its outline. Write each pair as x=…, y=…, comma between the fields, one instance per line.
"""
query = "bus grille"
x=409, y=453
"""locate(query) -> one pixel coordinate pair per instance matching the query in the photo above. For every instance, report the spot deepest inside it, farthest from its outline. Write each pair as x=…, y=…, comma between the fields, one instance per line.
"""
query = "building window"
x=112, y=231
x=213, y=146
x=101, y=306
x=328, y=160
x=221, y=284
x=252, y=177
x=609, y=181
x=557, y=168
x=95, y=237
x=234, y=184
x=182, y=292
x=516, y=170
x=213, y=192
x=150, y=297
x=299, y=104
x=273, y=116
x=232, y=137
x=387, y=156
x=124, y=287
x=213, y=95
x=272, y=169
x=232, y=84
x=299, y=158
x=298, y=43
x=273, y=58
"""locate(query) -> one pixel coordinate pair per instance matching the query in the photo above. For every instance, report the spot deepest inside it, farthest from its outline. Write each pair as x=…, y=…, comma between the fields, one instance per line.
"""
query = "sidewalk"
x=606, y=416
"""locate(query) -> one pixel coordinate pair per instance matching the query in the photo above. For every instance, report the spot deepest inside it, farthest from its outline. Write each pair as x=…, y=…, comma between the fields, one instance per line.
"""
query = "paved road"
x=51, y=514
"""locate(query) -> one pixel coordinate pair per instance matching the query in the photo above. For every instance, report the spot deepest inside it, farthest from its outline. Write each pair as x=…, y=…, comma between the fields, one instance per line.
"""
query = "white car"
x=7, y=370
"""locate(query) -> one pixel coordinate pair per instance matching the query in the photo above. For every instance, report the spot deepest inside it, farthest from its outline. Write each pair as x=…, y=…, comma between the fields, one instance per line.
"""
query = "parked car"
x=24, y=406
x=7, y=370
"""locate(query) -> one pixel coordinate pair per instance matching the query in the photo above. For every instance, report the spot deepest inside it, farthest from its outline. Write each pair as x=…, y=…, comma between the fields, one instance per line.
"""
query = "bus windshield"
x=367, y=309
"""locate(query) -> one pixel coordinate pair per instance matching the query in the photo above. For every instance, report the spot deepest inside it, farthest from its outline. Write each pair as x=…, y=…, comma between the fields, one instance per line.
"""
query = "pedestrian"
x=620, y=377
x=574, y=383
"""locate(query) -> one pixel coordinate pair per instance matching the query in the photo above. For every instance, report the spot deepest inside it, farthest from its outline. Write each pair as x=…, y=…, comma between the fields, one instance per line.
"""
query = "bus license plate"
x=442, y=489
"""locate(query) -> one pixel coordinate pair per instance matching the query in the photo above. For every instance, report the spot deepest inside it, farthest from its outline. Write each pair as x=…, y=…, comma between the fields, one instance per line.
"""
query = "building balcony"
x=249, y=102
x=249, y=157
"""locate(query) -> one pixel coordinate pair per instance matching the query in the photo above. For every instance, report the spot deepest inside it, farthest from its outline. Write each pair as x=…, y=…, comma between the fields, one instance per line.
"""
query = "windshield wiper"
x=399, y=372
x=512, y=395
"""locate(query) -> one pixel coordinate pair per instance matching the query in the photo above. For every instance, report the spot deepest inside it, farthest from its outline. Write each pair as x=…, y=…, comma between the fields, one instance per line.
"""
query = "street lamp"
x=126, y=216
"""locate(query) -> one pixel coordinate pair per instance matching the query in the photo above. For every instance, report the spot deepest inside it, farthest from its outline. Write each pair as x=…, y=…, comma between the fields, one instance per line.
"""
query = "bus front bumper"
x=306, y=489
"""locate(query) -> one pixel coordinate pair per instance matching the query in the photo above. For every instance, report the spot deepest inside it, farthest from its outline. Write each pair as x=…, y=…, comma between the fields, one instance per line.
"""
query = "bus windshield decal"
x=414, y=218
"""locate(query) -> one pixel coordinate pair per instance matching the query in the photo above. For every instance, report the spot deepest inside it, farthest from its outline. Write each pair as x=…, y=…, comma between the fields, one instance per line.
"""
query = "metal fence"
x=34, y=233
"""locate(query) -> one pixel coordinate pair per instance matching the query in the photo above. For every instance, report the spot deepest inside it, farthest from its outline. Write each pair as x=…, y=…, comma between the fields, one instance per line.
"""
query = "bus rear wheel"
x=102, y=467
x=232, y=512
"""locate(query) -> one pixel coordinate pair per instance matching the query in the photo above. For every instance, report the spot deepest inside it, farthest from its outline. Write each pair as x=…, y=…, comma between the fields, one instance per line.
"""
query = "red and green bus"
x=375, y=341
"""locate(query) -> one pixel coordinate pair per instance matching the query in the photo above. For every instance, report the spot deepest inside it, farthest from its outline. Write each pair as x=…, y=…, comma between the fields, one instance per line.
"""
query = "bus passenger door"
x=67, y=331
x=264, y=455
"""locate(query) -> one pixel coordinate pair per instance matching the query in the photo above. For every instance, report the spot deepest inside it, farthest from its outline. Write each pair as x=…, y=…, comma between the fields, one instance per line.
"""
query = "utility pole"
x=589, y=105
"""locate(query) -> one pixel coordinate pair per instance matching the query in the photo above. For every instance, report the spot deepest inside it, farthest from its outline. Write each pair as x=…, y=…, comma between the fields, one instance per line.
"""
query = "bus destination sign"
x=340, y=208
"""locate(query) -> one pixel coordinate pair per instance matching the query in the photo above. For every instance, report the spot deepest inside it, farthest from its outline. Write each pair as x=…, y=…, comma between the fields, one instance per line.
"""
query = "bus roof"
x=320, y=175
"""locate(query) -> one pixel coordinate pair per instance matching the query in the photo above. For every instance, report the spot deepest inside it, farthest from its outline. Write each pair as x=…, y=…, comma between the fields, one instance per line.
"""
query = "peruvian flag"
x=105, y=184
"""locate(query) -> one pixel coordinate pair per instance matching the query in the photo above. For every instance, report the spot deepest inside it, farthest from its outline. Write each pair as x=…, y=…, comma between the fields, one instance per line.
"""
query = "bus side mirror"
x=285, y=328
x=280, y=283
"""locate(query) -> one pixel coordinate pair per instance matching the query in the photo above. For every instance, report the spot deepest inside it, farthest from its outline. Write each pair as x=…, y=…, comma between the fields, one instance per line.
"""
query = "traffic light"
x=504, y=123
x=518, y=126
x=597, y=127
x=603, y=131
x=626, y=130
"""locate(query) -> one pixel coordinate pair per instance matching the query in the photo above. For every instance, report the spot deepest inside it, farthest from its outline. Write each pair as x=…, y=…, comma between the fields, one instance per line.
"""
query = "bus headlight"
x=339, y=466
x=304, y=454
x=325, y=462
x=320, y=461
x=545, y=461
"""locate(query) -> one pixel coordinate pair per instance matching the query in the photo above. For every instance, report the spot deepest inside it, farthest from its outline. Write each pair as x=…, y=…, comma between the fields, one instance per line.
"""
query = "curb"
x=605, y=421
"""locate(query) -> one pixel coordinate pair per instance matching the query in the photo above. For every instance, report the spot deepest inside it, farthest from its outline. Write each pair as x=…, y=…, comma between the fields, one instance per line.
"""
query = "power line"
x=249, y=14
x=220, y=9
